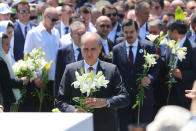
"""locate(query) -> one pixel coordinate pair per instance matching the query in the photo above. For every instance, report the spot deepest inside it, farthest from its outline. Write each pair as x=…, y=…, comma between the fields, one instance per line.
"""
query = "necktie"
x=79, y=55
x=66, y=30
x=25, y=31
x=131, y=57
x=159, y=51
x=90, y=69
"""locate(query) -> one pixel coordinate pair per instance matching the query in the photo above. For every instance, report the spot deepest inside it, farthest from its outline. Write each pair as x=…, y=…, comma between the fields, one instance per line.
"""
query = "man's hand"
x=80, y=110
x=25, y=80
x=39, y=83
x=191, y=93
x=1, y=110
x=177, y=73
x=145, y=81
x=95, y=102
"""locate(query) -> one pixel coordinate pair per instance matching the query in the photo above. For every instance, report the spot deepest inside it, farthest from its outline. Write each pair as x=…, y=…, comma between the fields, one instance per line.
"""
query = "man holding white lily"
x=183, y=69
x=106, y=99
x=129, y=56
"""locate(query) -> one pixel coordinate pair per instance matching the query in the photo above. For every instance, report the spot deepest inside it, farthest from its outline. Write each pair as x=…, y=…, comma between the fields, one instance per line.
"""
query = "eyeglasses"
x=53, y=19
x=24, y=11
x=78, y=34
x=103, y=26
x=193, y=7
x=121, y=15
x=112, y=14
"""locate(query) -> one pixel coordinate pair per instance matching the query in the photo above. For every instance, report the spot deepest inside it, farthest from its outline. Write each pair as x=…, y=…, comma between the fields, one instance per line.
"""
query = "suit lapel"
x=20, y=31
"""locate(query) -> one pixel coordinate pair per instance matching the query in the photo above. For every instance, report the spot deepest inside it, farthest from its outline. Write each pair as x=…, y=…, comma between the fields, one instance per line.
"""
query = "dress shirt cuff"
x=108, y=103
x=1, y=107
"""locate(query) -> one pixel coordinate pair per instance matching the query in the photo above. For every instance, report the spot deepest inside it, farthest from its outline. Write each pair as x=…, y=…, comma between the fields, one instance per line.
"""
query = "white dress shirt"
x=63, y=29
x=39, y=37
x=143, y=31
x=86, y=67
x=91, y=28
x=65, y=39
x=134, y=49
x=105, y=46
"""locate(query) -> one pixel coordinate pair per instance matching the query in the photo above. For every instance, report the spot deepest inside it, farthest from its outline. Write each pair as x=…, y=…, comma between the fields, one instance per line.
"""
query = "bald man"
x=46, y=37
x=104, y=26
x=107, y=99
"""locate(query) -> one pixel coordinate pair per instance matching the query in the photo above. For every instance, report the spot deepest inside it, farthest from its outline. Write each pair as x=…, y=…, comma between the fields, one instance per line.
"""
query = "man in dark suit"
x=63, y=26
x=129, y=58
x=68, y=54
x=21, y=28
x=103, y=26
x=185, y=70
x=114, y=96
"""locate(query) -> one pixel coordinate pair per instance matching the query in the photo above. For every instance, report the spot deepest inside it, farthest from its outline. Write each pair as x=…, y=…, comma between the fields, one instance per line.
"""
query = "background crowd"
x=122, y=27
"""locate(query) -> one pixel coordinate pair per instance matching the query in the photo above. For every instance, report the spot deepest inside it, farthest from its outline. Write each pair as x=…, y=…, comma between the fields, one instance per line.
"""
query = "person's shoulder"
x=66, y=47
x=74, y=66
x=119, y=45
x=107, y=65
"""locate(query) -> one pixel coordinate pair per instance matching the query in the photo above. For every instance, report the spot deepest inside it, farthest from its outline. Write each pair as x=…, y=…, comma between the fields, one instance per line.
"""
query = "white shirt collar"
x=135, y=44
x=182, y=41
x=75, y=47
x=86, y=66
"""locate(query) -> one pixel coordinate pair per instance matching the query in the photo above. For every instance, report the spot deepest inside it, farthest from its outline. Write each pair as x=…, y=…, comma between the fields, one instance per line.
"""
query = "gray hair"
x=141, y=5
x=76, y=24
x=88, y=34
x=156, y=22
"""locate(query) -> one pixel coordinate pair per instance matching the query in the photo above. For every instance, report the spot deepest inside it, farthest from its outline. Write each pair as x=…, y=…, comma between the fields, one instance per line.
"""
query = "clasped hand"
x=93, y=103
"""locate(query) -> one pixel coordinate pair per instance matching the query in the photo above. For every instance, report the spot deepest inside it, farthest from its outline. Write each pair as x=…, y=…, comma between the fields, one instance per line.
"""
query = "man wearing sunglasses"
x=21, y=28
x=46, y=37
x=103, y=26
x=116, y=30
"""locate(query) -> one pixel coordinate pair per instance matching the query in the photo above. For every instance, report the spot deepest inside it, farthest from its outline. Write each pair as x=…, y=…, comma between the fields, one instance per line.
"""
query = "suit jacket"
x=58, y=27
x=65, y=56
x=104, y=118
x=102, y=54
x=188, y=70
x=128, y=115
x=19, y=41
x=7, y=84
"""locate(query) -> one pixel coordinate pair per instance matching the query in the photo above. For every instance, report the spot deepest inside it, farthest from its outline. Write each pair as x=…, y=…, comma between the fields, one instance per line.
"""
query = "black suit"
x=188, y=70
x=65, y=56
x=128, y=115
x=104, y=118
x=7, y=84
x=103, y=53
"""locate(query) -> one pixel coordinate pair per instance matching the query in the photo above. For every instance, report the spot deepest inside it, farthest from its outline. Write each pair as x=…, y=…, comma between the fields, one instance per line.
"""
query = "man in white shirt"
x=63, y=26
x=46, y=37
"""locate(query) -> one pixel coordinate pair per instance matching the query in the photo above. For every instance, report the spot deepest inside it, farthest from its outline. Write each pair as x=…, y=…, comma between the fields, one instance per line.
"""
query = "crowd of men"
x=75, y=34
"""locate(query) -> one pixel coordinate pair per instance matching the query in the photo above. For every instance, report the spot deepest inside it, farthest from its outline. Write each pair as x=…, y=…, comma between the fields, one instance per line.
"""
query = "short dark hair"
x=130, y=22
x=67, y=4
x=178, y=25
x=10, y=25
x=22, y=3
x=74, y=17
x=109, y=7
x=4, y=36
x=84, y=9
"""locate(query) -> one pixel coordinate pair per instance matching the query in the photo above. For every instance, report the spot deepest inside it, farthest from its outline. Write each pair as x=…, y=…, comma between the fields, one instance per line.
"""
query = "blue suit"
x=65, y=56
x=128, y=115
x=19, y=41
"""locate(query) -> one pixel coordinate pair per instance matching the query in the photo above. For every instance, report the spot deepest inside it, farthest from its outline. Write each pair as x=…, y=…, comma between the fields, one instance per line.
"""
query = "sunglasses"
x=79, y=34
x=53, y=19
x=112, y=14
x=121, y=15
x=193, y=7
x=103, y=26
x=24, y=11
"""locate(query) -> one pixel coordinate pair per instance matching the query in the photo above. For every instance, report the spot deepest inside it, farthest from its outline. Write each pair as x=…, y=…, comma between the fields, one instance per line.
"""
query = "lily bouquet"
x=177, y=52
x=88, y=83
x=33, y=66
x=150, y=61
x=157, y=39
